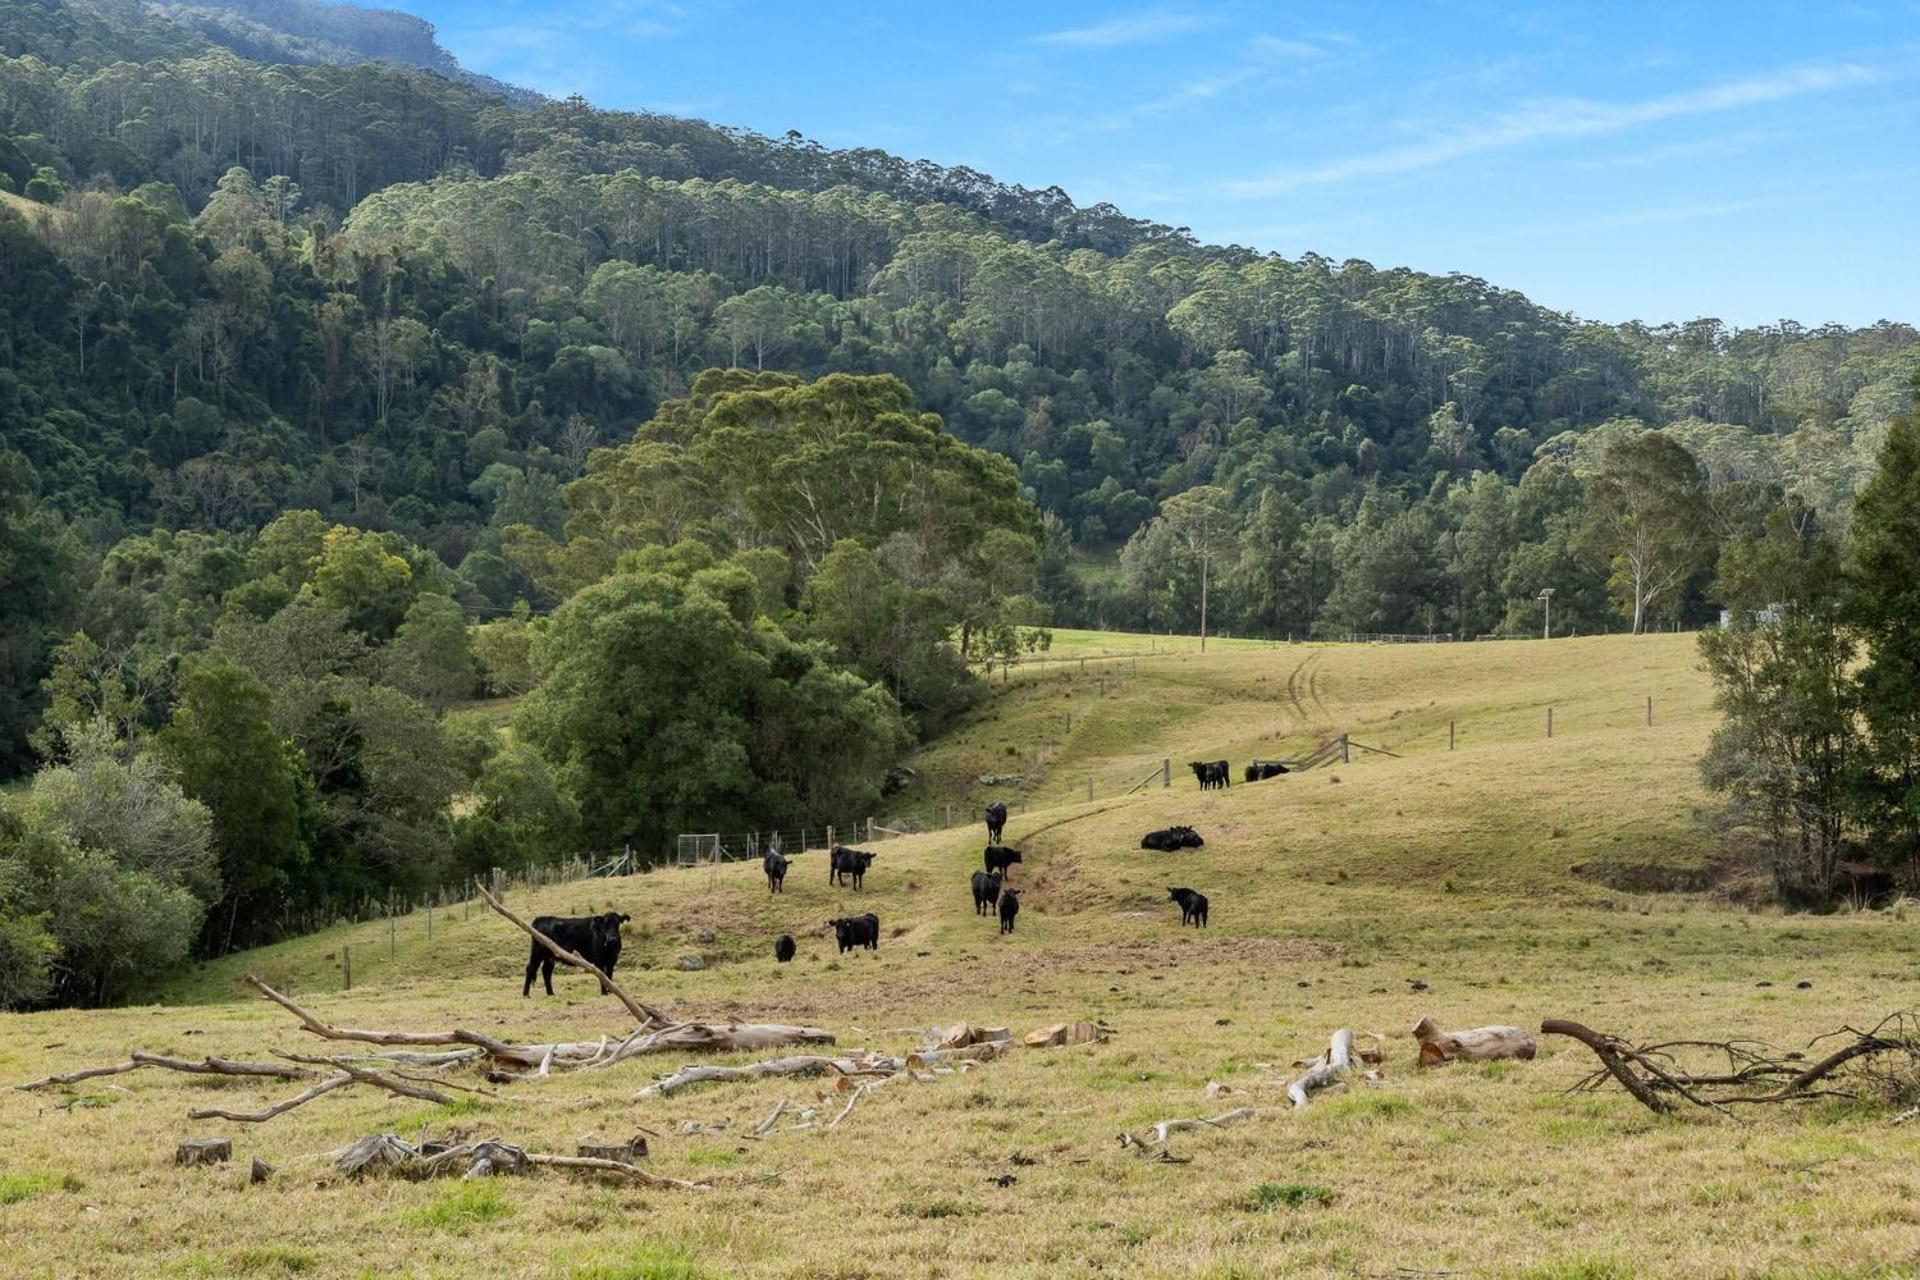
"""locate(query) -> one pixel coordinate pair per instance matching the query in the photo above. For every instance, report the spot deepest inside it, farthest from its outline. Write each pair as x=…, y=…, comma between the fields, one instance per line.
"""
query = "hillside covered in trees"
x=337, y=387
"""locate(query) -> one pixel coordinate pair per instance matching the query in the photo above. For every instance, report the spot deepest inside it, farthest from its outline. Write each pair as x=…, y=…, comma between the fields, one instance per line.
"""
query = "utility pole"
x=1546, y=595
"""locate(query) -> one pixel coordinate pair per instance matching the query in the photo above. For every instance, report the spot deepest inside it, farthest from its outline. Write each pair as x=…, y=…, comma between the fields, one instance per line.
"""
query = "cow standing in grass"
x=986, y=892
x=1000, y=859
x=1009, y=908
x=1213, y=774
x=856, y=931
x=996, y=821
x=595, y=939
x=775, y=865
x=848, y=862
x=1193, y=907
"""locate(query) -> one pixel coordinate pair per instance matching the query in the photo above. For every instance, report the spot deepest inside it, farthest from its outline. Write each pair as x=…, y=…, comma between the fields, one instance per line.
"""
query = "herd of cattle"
x=597, y=938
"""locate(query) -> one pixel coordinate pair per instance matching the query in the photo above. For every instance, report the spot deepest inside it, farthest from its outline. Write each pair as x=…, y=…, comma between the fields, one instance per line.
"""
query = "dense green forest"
x=338, y=387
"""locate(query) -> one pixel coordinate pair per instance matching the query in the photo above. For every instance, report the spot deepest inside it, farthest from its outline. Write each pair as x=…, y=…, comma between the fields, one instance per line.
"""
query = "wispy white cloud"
x=1130, y=29
x=1561, y=118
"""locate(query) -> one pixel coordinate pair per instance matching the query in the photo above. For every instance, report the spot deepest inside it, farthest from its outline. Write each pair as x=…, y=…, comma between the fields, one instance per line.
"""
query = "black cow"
x=775, y=865
x=1168, y=839
x=1009, y=908
x=986, y=892
x=1193, y=906
x=595, y=939
x=1261, y=770
x=996, y=821
x=1213, y=774
x=856, y=931
x=848, y=862
x=783, y=948
x=1000, y=857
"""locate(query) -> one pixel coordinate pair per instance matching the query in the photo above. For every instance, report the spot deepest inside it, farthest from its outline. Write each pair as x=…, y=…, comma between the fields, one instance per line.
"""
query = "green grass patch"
x=1284, y=1195
x=461, y=1208
x=15, y=1187
x=645, y=1261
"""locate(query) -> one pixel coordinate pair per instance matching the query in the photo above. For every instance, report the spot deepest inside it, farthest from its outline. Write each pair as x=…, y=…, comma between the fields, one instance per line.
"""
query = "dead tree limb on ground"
x=799, y=1065
x=1165, y=1127
x=1888, y=1057
x=1324, y=1070
x=140, y=1059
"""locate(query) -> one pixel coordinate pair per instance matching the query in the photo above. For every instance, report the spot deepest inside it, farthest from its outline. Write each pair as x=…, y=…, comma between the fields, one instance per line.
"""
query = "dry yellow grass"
x=1455, y=868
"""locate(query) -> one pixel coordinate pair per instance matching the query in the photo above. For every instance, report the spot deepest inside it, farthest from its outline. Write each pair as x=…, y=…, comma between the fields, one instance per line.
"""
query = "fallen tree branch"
x=1325, y=1070
x=858, y=1094
x=620, y=1167
x=799, y=1065
x=765, y=1127
x=279, y=1108
x=326, y=1031
x=1166, y=1127
x=205, y=1067
x=1608, y=1050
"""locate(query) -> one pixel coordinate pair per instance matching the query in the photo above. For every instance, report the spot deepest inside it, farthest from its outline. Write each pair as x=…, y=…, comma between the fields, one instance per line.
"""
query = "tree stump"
x=260, y=1172
x=201, y=1151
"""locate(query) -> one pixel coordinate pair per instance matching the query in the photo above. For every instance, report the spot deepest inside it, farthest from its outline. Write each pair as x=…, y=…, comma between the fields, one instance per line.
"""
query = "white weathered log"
x=1472, y=1044
x=799, y=1065
x=1165, y=1127
x=1323, y=1071
x=773, y=1117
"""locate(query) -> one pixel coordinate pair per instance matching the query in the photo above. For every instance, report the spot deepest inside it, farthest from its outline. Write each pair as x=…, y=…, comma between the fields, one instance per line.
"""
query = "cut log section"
x=1472, y=1045
x=203, y=1151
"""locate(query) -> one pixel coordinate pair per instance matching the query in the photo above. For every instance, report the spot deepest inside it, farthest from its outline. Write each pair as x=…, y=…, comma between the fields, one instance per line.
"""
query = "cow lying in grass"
x=1261, y=770
x=1168, y=839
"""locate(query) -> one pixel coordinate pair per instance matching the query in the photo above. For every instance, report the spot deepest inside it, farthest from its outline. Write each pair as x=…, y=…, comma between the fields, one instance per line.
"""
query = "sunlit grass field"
x=1507, y=873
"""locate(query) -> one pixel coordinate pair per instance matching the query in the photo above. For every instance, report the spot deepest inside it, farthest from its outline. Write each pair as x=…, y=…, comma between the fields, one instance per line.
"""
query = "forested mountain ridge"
x=333, y=393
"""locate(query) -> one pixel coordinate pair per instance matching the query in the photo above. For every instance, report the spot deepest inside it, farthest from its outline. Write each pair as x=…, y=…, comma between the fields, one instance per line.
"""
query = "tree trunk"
x=1437, y=1046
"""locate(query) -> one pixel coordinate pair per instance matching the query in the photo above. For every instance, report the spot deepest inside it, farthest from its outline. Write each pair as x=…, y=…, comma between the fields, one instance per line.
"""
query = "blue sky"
x=1660, y=162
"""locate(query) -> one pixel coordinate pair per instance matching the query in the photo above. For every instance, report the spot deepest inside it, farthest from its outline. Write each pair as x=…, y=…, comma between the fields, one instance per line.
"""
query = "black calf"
x=986, y=892
x=1193, y=907
x=783, y=948
x=1009, y=908
x=1211, y=773
x=775, y=866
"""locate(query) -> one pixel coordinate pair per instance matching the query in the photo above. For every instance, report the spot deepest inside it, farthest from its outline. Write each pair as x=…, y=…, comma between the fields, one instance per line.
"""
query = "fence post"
x=949, y=816
x=1166, y=771
x=829, y=835
x=1449, y=735
x=346, y=963
x=1345, y=758
x=1089, y=789
x=429, y=920
x=1649, y=710
x=869, y=828
x=1549, y=722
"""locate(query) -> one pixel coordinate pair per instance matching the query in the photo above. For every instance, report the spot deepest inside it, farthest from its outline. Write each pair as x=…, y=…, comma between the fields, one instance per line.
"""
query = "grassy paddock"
x=1492, y=873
